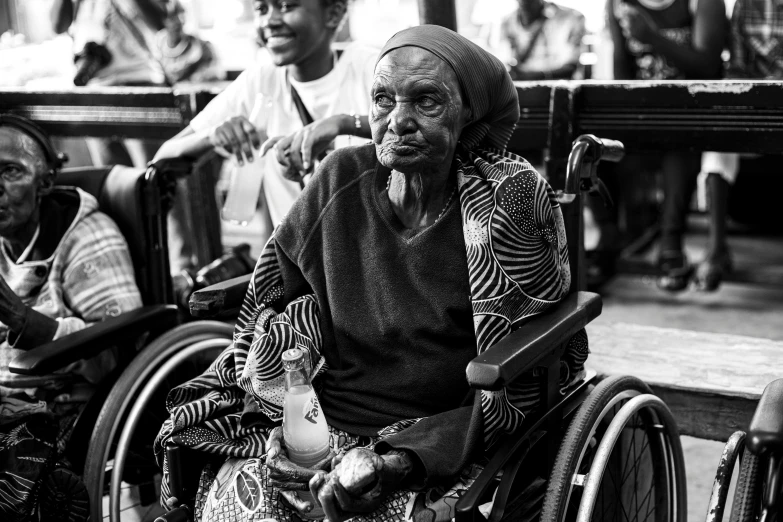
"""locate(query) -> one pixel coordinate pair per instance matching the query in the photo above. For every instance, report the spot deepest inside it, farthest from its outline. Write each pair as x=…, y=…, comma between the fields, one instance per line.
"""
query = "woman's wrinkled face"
x=417, y=111
x=23, y=179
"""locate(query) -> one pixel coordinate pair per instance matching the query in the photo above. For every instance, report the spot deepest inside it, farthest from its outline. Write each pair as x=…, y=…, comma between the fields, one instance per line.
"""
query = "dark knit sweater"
x=395, y=311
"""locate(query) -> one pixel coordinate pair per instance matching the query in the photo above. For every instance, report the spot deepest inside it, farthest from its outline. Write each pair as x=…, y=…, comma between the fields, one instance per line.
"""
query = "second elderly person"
x=402, y=260
x=64, y=266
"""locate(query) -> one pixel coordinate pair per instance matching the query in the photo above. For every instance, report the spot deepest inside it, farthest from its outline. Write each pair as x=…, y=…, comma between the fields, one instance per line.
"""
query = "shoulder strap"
x=532, y=44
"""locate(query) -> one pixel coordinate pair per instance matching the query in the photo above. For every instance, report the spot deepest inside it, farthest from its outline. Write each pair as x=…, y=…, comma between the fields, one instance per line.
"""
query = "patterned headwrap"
x=484, y=80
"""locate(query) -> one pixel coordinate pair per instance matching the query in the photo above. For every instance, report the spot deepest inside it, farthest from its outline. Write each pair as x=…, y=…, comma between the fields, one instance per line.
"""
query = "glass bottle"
x=305, y=432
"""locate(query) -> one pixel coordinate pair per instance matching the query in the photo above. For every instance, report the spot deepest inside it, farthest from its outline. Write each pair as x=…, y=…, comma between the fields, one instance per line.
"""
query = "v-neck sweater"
x=395, y=309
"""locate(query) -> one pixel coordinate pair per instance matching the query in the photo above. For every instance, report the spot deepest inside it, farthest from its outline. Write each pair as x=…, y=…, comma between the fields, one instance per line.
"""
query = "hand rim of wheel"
x=133, y=416
x=607, y=444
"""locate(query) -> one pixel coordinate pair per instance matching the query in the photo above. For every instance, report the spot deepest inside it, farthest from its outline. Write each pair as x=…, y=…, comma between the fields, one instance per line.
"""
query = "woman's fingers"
x=329, y=502
x=245, y=132
x=297, y=503
x=296, y=151
x=274, y=444
x=315, y=485
x=306, y=149
x=269, y=144
x=289, y=486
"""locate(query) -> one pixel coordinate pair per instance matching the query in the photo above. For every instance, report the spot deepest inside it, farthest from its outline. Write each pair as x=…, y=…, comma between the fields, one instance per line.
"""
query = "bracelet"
x=357, y=121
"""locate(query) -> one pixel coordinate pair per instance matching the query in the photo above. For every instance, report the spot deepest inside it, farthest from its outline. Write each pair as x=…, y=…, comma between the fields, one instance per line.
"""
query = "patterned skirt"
x=241, y=491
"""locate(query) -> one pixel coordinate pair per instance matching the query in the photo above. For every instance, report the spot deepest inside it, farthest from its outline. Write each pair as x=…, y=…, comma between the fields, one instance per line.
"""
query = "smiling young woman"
x=304, y=103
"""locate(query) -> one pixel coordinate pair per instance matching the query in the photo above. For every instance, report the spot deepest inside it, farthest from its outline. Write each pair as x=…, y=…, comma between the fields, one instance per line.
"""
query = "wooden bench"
x=712, y=382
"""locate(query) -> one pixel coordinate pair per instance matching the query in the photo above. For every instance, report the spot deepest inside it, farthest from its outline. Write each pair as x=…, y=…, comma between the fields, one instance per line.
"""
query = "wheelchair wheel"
x=578, y=449
x=720, y=487
x=638, y=471
x=747, y=496
x=120, y=470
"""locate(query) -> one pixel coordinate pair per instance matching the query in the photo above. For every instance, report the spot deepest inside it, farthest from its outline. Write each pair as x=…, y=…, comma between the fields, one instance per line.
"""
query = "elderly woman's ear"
x=46, y=182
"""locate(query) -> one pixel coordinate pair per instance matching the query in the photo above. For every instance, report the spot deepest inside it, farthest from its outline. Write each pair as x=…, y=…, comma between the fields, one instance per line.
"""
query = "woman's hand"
x=298, y=151
x=286, y=475
x=636, y=23
x=12, y=310
x=359, y=482
x=235, y=137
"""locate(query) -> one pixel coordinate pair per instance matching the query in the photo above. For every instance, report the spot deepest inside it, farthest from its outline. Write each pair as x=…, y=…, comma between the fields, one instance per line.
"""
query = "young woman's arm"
x=235, y=136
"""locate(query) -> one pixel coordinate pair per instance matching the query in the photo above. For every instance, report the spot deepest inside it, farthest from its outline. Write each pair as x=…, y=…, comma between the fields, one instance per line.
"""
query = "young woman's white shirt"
x=264, y=91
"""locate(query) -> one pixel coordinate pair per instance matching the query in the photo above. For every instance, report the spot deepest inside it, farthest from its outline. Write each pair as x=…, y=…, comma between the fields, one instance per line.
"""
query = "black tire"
x=722, y=484
x=747, y=497
x=592, y=416
x=144, y=369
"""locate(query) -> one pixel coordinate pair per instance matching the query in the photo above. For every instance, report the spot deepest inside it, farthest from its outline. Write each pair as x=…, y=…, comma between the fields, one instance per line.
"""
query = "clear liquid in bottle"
x=244, y=185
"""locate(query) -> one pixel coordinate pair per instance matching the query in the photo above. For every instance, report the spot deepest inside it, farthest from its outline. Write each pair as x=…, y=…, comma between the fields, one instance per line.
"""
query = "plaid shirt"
x=757, y=39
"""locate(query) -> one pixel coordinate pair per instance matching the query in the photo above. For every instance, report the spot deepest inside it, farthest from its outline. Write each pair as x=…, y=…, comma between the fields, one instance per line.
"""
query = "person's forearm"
x=348, y=126
x=693, y=63
x=61, y=15
x=192, y=144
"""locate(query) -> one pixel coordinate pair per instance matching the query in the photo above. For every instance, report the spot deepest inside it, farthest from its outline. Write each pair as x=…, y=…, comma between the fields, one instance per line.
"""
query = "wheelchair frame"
x=538, y=347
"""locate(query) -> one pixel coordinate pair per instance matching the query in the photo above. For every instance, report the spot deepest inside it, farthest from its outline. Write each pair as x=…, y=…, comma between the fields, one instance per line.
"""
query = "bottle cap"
x=293, y=359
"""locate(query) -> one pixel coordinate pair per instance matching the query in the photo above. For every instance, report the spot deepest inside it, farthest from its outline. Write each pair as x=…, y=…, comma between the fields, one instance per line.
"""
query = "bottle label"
x=311, y=409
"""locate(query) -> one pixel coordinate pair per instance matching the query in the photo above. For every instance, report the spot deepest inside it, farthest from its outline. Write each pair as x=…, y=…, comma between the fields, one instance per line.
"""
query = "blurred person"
x=307, y=100
x=668, y=40
x=114, y=42
x=64, y=266
x=545, y=40
x=183, y=56
x=756, y=48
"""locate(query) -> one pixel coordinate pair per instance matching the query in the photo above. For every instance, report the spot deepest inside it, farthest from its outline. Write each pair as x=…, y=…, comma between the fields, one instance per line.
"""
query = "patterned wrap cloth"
x=518, y=267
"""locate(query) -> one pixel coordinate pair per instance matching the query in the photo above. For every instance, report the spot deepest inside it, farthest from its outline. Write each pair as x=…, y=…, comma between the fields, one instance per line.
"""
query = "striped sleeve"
x=98, y=282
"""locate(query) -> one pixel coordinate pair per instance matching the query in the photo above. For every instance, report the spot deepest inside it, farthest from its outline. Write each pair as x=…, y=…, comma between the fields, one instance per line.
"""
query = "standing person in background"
x=756, y=53
x=183, y=56
x=119, y=35
x=667, y=40
x=545, y=40
x=307, y=99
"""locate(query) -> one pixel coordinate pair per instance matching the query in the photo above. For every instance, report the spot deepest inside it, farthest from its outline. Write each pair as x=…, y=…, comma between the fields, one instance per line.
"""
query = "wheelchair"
x=138, y=201
x=607, y=450
x=759, y=489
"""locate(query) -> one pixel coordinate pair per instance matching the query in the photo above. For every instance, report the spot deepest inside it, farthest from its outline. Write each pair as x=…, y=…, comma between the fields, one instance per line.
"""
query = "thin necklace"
x=443, y=211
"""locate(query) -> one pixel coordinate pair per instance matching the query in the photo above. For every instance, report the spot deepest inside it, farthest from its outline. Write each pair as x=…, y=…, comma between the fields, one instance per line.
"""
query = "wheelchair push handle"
x=587, y=152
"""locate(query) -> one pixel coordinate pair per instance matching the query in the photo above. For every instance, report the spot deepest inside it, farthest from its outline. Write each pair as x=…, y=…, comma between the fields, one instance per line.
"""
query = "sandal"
x=709, y=273
x=675, y=271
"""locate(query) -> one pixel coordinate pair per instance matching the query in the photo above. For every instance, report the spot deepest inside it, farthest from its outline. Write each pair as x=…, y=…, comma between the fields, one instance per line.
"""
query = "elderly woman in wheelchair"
x=63, y=266
x=401, y=261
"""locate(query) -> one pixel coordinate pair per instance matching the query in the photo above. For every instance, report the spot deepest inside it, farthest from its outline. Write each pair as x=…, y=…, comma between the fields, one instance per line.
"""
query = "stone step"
x=711, y=381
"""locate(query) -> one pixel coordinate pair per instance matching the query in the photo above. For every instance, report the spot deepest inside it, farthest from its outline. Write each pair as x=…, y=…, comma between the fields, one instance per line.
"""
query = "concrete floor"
x=752, y=311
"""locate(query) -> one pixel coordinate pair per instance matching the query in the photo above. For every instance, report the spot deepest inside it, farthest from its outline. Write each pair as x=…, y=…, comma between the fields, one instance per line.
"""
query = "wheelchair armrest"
x=521, y=350
x=49, y=357
x=219, y=299
x=766, y=428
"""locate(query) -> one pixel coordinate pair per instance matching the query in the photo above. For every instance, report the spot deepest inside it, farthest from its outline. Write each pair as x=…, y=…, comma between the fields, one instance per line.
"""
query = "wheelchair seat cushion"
x=766, y=429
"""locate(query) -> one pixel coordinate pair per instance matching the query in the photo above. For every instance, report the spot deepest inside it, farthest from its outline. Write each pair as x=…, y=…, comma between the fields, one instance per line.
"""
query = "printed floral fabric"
x=240, y=491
